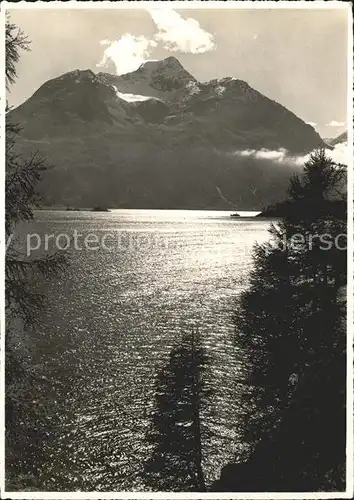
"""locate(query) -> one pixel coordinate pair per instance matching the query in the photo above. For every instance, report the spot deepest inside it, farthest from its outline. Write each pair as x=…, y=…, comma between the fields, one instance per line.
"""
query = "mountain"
x=342, y=138
x=158, y=138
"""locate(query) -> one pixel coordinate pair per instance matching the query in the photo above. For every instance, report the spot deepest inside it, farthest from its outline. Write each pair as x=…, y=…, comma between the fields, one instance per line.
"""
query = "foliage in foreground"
x=25, y=423
x=176, y=432
x=290, y=325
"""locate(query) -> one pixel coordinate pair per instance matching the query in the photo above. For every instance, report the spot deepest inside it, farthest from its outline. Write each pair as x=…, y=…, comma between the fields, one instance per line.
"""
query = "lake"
x=109, y=322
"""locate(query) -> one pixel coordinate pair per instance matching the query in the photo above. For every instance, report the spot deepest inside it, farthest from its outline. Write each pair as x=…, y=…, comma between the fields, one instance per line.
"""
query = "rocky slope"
x=342, y=138
x=158, y=138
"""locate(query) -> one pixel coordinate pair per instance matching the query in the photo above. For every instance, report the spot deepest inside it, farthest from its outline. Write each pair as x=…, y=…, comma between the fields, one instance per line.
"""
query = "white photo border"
x=184, y=4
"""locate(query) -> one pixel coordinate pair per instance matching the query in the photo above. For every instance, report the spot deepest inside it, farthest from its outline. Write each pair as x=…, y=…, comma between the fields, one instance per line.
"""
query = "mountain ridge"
x=341, y=138
x=102, y=130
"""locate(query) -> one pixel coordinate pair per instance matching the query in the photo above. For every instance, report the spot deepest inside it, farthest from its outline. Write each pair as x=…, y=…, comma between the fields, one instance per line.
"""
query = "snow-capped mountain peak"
x=158, y=137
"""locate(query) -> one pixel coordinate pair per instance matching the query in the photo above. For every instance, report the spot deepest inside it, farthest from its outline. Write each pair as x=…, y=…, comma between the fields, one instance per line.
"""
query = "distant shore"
x=105, y=209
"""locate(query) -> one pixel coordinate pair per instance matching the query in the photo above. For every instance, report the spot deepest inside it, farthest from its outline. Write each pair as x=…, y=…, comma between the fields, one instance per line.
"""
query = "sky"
x=297, y=57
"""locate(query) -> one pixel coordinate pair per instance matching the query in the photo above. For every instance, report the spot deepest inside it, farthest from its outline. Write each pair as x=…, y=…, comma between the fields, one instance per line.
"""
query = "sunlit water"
x=108, y=325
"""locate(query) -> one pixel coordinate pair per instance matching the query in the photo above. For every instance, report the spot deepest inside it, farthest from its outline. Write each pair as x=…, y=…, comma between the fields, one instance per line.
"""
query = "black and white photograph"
x=177, y=238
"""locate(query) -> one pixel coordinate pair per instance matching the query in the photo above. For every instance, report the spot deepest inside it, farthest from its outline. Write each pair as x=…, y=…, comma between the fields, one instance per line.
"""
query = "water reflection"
x=109, y=324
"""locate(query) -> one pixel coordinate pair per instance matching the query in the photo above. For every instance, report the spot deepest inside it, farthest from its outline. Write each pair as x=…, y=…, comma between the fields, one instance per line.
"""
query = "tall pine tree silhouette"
x=290, y=324
x=176, y=431
x=25, y=424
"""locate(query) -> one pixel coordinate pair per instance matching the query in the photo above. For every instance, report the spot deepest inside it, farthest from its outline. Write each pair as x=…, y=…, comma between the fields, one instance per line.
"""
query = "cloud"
x=334, y=123
x=127, y=53
x=178, y=34
x=173, y=33
x=339, y=154
x=279, y=155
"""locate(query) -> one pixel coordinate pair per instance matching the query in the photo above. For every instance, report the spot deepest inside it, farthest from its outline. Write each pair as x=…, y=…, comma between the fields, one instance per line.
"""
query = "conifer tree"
x=176, y=433
x=290, y=324
x=23, y=297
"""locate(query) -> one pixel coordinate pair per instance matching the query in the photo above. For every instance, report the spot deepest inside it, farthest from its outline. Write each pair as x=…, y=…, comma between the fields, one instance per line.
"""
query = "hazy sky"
x=296, y=57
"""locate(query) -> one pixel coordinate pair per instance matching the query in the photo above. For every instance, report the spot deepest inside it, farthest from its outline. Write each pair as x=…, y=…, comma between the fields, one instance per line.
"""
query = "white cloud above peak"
x=334, y=123
x=179, y=34
x=174, y=33
x=127, y=53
